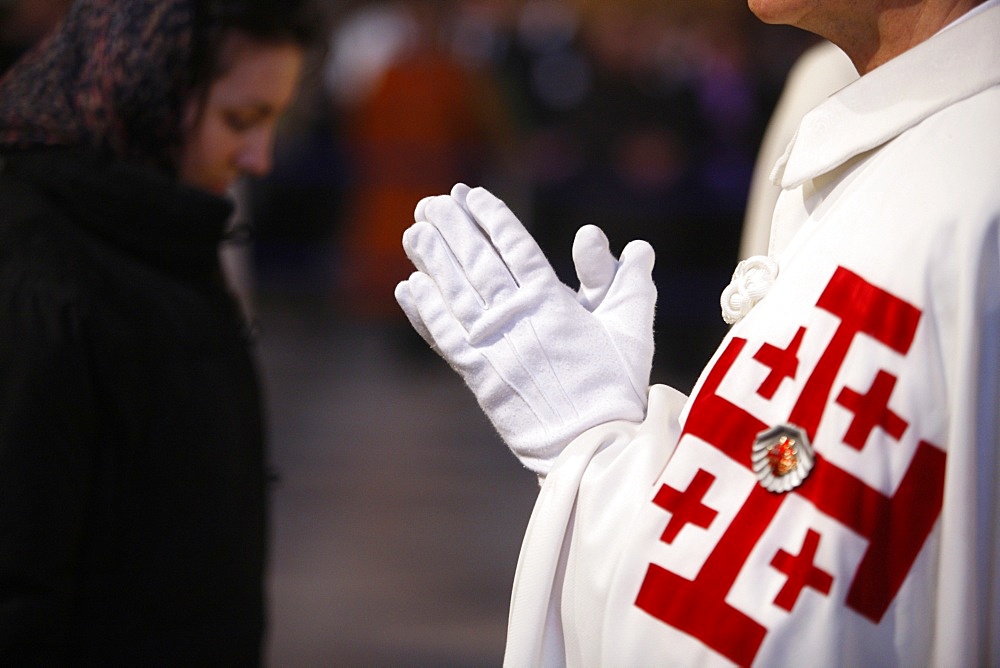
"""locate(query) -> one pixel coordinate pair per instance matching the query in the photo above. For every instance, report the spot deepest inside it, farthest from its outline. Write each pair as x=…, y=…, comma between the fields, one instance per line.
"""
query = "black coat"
x=132, y=477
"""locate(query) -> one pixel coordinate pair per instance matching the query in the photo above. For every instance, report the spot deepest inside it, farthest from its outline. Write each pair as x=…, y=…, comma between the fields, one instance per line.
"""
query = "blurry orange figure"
x=428, y=123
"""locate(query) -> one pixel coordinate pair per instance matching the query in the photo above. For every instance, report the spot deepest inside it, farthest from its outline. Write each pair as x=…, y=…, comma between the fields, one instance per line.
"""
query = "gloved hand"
x=545, y=363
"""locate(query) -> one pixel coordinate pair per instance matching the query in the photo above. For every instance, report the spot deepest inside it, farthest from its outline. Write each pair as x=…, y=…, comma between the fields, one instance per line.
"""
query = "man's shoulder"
x=974, y=116
x=960, y=146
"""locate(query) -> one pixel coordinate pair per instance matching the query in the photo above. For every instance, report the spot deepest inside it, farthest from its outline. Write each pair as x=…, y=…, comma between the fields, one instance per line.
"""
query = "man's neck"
x=894, y=28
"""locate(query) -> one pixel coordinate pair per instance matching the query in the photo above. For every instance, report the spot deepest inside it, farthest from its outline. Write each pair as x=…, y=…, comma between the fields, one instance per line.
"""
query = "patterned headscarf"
x=113, y=75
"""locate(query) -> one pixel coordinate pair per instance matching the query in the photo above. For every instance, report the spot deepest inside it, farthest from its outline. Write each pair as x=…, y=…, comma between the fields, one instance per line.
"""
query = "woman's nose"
x=257, y=155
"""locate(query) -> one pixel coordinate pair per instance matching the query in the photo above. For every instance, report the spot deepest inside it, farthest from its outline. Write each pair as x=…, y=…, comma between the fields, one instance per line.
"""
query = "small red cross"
x=801, y=572
x=784, y=363
x=871, y=410
x=686, y=507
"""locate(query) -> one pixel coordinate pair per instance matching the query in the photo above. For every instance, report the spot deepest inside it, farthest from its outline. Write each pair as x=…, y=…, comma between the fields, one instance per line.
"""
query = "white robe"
x=655, y=544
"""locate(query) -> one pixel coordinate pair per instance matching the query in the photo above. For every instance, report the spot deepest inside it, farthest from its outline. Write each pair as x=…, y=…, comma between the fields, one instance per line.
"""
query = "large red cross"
x=896, y=527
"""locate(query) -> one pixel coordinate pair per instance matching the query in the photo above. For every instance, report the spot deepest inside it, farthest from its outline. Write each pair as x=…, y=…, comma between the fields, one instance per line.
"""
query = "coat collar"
x=136, y=209
x=958, y=62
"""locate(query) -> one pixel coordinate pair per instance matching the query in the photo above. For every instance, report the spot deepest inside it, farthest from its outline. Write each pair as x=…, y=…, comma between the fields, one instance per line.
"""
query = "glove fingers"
x=632, y=293
x=419, y=212
x=432, y=256
x=595, y=265
x=447, y=335
x=640, y=255
x=471, y=244
x=460, y=192
x=516, y=247
x=404, y=297
x=629, y=309
x=479, y=260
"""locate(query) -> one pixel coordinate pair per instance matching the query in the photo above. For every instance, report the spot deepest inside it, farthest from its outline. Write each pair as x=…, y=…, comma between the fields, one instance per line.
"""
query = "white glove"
x=545, y=363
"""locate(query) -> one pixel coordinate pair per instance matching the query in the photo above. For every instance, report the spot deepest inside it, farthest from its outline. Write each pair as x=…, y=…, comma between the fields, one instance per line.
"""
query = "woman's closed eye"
x=244, y=120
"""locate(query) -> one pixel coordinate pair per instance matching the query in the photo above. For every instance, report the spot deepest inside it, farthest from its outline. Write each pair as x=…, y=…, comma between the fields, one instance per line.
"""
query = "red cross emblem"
x=894, y=525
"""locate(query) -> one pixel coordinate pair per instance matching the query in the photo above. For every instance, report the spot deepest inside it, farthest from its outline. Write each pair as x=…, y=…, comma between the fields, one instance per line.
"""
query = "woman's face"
x=232, y=132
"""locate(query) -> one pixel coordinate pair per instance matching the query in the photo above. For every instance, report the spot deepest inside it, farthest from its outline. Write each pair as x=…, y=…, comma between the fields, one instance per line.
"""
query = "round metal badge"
x=782, y=458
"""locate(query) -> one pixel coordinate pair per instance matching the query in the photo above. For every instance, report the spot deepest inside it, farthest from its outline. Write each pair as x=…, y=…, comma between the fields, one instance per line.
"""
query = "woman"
x=132, y=472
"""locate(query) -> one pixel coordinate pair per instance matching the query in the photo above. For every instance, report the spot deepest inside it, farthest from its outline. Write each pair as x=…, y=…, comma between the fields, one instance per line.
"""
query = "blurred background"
x=397, y=512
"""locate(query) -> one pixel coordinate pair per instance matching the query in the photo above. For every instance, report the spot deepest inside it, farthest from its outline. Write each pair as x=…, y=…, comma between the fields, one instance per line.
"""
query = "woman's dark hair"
x=298, y=22
x=117, y=74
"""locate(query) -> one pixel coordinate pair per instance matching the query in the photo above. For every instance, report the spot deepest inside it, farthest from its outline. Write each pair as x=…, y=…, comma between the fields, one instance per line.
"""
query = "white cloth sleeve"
x=617, y=463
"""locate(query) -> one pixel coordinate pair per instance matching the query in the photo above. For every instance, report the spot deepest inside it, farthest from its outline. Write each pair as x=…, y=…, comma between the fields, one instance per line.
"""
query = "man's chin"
x=770, y=12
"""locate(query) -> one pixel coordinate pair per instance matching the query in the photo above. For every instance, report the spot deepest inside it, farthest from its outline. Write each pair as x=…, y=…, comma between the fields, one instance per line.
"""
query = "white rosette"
x=751, y=280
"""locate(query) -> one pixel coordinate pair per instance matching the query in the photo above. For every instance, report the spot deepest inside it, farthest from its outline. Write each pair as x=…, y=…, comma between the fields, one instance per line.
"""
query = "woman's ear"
x=191, y=113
